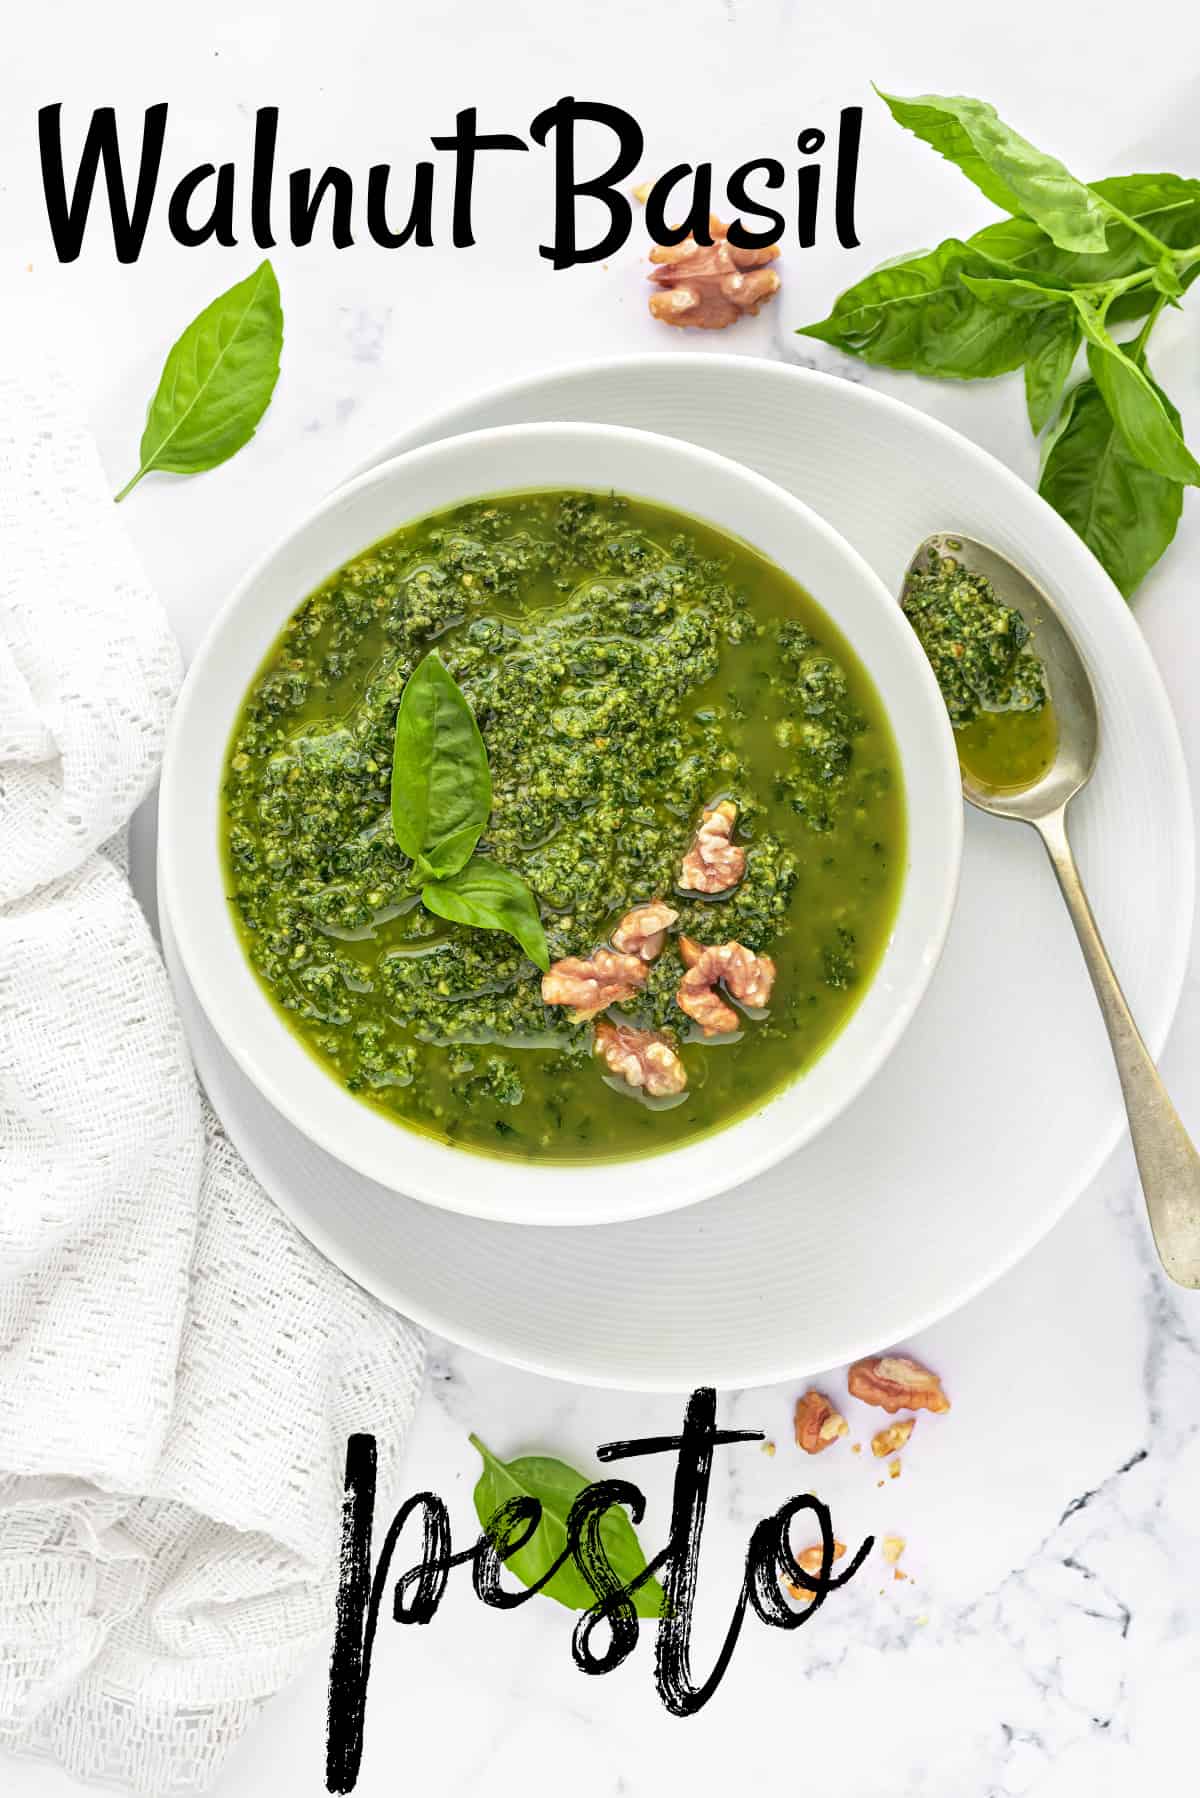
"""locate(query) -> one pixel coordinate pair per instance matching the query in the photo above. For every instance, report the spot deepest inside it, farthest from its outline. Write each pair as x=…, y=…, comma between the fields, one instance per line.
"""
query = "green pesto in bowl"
x=627, y=666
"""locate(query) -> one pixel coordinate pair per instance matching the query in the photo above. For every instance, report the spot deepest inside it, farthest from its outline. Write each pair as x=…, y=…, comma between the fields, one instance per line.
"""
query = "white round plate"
x=1001, y=1103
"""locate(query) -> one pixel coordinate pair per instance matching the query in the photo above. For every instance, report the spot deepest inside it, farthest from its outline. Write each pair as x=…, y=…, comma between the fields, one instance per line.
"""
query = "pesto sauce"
x=627, y=665
x=993, y=683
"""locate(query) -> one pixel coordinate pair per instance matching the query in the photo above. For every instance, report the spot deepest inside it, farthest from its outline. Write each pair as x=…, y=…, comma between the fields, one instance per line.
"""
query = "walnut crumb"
x=768, y=1448
x=817, y=1424
x=896, y=1383
x=892, y=1437
x=810, y=1560
x=894, y=1469
x=892, y=1547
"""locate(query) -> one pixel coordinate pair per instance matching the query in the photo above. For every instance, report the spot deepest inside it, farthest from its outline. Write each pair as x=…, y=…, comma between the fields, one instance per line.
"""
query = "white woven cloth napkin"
x=179, y=1370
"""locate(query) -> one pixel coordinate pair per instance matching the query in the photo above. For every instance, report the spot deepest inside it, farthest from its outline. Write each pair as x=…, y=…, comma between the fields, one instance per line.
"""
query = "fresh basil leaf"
x=1006, y=167
x=1163, y=204
x=1053, y=335
x=918, y=315
x=1150, y=433
x=1016, y=292
x=217, y=381
x=1053, y=343
x=556, y=1487
x=491, y=898
x=1125, y=513
x=1025, y=247
x=1167, y=205
x=441, y=785
x=1060, y=423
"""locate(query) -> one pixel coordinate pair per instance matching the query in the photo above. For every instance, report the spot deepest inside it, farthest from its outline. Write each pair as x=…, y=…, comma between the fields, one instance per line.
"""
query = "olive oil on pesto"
x=993, y=683
x=627, y=665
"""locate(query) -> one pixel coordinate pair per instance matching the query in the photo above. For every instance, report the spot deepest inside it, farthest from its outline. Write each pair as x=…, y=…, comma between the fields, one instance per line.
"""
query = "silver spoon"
x=1166, y=1156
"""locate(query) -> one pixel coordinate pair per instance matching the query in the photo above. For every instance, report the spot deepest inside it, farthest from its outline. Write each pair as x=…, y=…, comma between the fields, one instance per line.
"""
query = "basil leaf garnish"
x=217, y=381
x=917, y=314
x=441, y=786
x=556, y=1487
x=491, y=898
x=1014, y=174
x=1125, y=513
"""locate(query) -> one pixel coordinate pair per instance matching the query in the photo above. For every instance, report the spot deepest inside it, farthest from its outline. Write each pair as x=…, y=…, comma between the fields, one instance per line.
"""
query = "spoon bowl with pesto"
x=638, y=662
x=1027, y=729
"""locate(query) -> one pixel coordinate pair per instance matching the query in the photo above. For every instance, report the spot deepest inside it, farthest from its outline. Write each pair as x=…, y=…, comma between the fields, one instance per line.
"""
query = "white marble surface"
x=1047, y=1642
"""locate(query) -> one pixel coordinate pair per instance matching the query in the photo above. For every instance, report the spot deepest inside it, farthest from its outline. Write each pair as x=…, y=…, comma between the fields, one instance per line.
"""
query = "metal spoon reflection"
x=1167, y=1160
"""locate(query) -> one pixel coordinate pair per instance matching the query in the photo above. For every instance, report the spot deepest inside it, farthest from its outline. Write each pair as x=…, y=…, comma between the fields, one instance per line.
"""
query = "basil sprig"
x=217, y=381
x=1071, y=262
x=441, y=799
x=556, y=1487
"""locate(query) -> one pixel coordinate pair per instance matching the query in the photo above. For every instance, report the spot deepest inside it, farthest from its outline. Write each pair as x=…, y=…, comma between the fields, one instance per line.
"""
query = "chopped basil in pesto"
x=627, y=666
x=976, y=646
x=993, y=683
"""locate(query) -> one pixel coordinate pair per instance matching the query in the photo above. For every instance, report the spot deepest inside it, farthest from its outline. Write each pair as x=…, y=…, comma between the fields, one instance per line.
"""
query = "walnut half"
x=714, y=863
x=642, y=1058
x=747, y=976
x=643, y=930
x=588, y=986
x=896, y=1383
x=817, y=1424
x=711, y=286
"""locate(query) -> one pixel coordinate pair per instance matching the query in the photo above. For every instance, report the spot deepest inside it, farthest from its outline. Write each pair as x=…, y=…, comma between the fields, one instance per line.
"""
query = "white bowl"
x=598, y=457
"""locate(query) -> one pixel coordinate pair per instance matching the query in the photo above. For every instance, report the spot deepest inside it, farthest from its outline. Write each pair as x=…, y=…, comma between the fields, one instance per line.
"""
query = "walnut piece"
x=818, y=1425
x=896, y=1383
x=643, y=931
x=714, y=863
x=810, y=1560
x=642, y=1058
x=711, y=286
x=747, y=976
x=890, y=1440
x=588, y=986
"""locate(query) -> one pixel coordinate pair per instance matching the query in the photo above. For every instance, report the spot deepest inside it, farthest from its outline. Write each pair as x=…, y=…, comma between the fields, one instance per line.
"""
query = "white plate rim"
x=458, y=416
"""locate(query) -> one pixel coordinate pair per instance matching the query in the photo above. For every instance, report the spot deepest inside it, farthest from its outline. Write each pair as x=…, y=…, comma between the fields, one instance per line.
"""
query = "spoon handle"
x=1166, y=1156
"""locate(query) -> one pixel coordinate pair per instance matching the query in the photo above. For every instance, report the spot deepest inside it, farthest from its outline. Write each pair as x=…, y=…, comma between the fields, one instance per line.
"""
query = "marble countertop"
x=1048, y=1639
